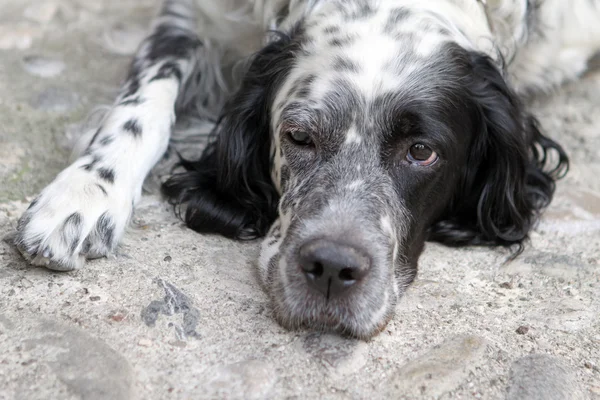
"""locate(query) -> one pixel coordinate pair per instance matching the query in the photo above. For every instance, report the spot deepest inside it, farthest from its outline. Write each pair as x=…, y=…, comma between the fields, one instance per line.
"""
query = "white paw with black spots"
x=81, y=215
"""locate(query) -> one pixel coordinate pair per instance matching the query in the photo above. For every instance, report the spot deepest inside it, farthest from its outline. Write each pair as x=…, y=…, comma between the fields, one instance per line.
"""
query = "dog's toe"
x=70, y=222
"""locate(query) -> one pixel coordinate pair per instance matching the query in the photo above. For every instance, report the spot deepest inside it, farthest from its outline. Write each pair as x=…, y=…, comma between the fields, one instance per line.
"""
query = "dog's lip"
x=329, y=322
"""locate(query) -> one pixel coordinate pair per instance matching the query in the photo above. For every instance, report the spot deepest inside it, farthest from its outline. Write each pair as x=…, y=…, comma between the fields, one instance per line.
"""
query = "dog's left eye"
x=300, y=137
x=421, y=154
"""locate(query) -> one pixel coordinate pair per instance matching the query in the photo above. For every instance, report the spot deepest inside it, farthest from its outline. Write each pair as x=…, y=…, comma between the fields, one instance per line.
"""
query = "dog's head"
x=353, y=139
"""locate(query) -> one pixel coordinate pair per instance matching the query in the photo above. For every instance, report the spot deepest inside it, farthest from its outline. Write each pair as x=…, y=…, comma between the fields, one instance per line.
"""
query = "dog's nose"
x=332, y=268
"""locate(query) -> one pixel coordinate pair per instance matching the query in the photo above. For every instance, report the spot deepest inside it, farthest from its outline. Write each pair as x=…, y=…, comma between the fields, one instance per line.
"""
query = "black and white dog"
x=354, y=131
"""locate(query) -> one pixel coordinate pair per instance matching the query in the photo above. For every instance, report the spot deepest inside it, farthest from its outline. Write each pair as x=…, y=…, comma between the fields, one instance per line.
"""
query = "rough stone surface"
x=542, y=377
x=179, y=315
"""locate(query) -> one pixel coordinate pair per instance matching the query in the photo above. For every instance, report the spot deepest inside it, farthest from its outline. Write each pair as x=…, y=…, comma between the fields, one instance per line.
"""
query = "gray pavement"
x=179, y=315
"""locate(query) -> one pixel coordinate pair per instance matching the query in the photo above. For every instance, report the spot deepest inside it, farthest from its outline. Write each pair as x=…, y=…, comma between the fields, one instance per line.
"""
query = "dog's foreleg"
x=84, y=211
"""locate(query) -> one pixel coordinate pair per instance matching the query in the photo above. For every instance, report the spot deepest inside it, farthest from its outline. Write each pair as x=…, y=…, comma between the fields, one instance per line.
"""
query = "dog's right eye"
x=300, y=138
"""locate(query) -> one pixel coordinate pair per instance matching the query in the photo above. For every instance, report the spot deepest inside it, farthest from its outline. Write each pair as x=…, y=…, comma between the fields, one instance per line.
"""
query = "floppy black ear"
x=229, y=189
x=509, y=176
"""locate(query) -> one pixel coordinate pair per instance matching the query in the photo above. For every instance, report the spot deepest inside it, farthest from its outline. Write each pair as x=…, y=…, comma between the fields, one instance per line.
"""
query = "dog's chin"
x=301, y=308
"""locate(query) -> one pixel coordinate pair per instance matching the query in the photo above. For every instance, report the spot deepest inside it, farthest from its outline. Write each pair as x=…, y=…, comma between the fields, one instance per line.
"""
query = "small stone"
x=252, y=379
x=17, y=37
x=341, y=356
x=124, y=39
x=589, y=365
x=543, y=377
x=168, y=258
x=522, y=330
x=43, y=67
x=117, y=316
x=178, y=343
x=42, y=12
x=145, y=342
x=55, y=100
x=94, y=298
x=440, y=370
x=506, y=285
x=26, y=283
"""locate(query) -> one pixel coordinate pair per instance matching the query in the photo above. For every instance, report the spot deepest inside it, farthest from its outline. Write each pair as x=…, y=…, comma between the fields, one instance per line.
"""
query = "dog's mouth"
x=348, y=317
x=301, y=300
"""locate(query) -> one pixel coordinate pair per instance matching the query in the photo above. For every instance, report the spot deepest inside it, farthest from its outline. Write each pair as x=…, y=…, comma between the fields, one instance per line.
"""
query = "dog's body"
x=359, y=129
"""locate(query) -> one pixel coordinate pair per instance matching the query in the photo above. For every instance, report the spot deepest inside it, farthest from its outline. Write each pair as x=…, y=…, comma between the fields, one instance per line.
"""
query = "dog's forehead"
x=371, y=49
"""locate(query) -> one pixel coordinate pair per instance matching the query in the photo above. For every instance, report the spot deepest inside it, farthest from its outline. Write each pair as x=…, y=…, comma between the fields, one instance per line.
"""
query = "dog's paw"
x=80, y=215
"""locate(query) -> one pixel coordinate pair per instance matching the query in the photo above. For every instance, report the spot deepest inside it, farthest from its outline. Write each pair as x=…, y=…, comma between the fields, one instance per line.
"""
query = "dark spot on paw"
x=71, y=231
x=105, y=229
x=105, y=141
x=102, y=189
x=23, y=221
x=86, y=246
x=133, y=126
x=106, y=174
x=89, y=166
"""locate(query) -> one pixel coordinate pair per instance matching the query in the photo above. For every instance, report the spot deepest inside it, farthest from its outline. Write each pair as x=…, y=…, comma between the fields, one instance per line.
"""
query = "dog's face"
x=355, y=138
x=369, y=131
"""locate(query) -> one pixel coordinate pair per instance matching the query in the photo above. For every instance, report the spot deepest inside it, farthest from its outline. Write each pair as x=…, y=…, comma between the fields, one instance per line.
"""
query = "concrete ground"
x=179, y=315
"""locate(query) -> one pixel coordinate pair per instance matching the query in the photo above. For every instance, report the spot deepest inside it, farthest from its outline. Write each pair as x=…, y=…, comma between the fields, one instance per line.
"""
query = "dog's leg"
x=84, y=211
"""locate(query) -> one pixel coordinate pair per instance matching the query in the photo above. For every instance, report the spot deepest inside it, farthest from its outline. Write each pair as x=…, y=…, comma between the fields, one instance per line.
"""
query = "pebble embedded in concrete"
x=18, y=37
x=54, y=99
x=339, y=355
x=41, y=11
x=252, y=379
x=44, y=67
x=440, y=369
x=123, y=39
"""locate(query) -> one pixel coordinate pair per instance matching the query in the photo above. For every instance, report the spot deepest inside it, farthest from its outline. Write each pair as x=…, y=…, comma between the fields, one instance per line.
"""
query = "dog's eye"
x=421, y=154
x=300, y=137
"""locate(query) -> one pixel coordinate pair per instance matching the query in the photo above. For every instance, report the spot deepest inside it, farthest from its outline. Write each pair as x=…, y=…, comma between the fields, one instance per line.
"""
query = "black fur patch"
x=72, y=224
x=133, y=86
x=107, y=175
x=342, y=41
x=102, y=189
x=168, y=70
x=89, y=166
x=331, y=29
x=396, y=17
x=342, y=64
x=105, y=141
x=105, y=228
x=361, y=11
x=132, y=126
x=171, y=41
x=137, y=100
x=95, y=137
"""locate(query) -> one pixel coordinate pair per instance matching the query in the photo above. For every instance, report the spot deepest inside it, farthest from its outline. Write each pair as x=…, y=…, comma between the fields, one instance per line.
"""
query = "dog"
x=347, y=132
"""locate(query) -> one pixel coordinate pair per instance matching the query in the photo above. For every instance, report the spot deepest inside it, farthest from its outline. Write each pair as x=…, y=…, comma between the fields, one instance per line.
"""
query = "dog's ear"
x=508, y=177
x=229, y=190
